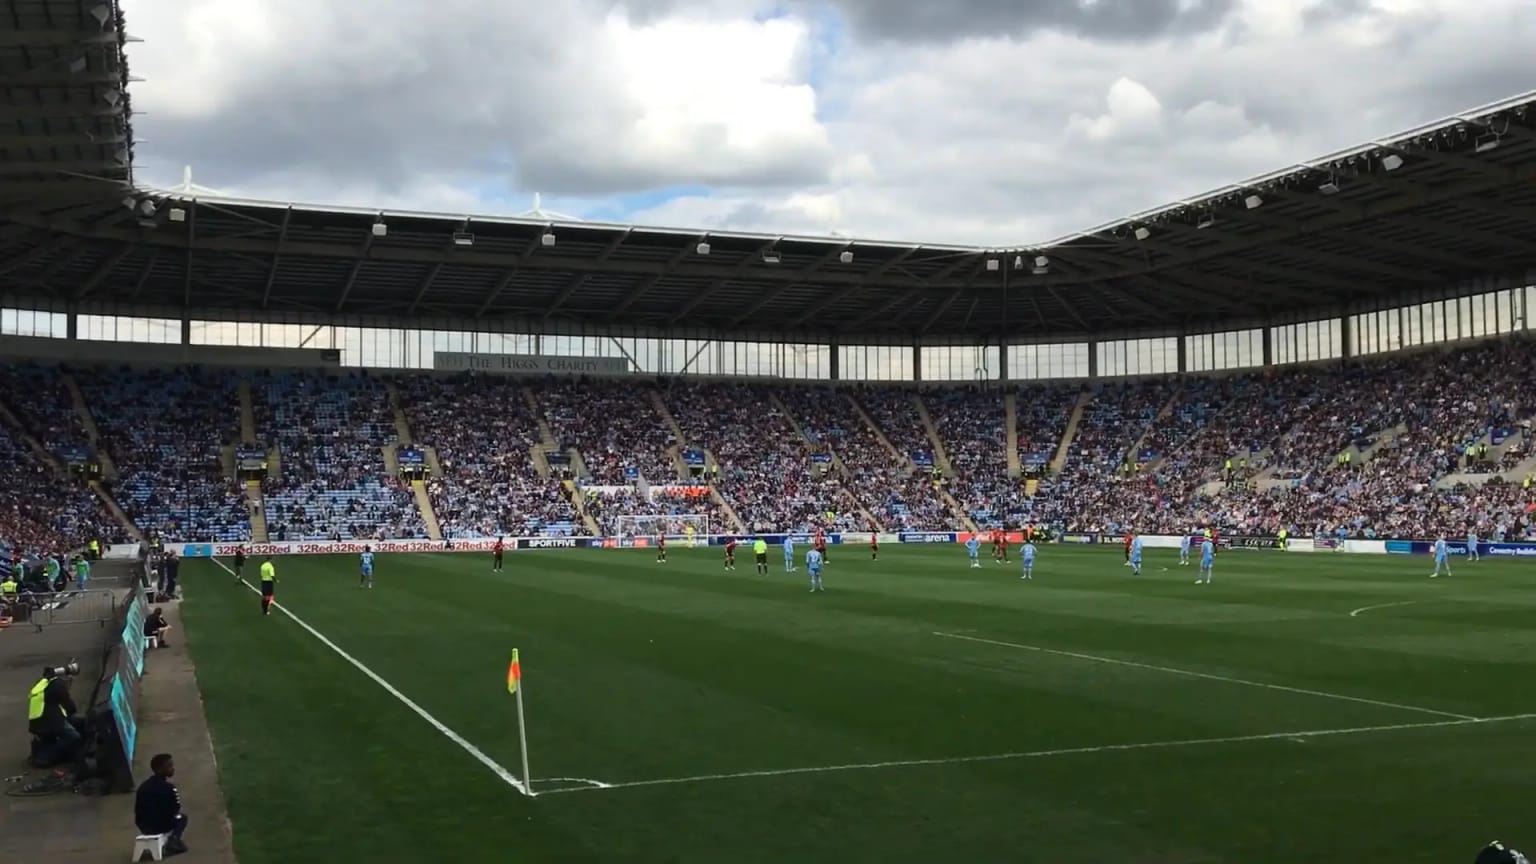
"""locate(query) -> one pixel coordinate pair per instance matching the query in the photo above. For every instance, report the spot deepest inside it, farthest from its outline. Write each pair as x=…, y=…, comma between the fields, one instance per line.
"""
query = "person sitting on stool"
x=157, y=805
x=51, y=716
x=156, y=626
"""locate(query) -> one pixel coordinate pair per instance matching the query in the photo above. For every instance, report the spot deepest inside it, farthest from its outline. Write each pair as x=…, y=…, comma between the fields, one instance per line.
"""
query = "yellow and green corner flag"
x=514, y=673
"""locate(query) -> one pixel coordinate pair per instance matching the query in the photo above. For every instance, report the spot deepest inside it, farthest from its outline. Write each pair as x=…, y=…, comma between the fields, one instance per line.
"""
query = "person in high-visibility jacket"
x=268, y=585
x=1283, y=535
x=51, y=717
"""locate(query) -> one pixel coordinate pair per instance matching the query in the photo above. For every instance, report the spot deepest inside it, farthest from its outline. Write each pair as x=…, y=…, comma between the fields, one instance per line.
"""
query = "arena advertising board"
x=528, y=364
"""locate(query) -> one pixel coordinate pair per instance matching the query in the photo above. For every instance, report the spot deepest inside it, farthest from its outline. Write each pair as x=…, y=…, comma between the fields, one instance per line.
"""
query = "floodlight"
x=1018, y=262
x=846, y=257
x=1486, y=143
x=101, y=12
x=176, y=214
x=702, y=248
x=1042, y=262
x=1329, y=187
x=1253, y=202
x=772, y=257
x=463, y=238
x=1206, y=221
x=992, y=265
x=147, y=207
x=380, y=229
x=1143, y=233
x=1391, y=162
x=548, y=239
x=111, y=97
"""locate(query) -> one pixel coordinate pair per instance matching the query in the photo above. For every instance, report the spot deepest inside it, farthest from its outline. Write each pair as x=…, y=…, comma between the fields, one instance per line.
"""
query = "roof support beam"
x=18, y=140
x=357, y=268
x=277, y=255
x=426, y=285
x=939, y=312
x=703, y=296
x=502, y=282
x=1486, y=237
x=103, y=270
x=885, y=308
x=770, y=296
x=1344, y=261
x=27, y=259
x=149, y=267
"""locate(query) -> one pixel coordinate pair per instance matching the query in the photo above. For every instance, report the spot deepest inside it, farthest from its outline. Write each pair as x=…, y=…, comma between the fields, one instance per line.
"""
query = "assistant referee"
x=268, y=585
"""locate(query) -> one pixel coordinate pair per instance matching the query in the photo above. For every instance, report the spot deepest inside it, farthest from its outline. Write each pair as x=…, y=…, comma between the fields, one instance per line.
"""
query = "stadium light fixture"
x=463, y=238
x=101, y=12
x=772, y=256
x=176, y=214
x=547, y=239
x=846, y=256
x=1206, y=220
x=379, y=228
x=147, y=207
x=1041, y=261
x=1391, y=162
x=1142, y=232
x=1486, y=143
x=1329, y=187
x=111, y=97
x=702, y=248
x=993, y=265
x=1253, y=202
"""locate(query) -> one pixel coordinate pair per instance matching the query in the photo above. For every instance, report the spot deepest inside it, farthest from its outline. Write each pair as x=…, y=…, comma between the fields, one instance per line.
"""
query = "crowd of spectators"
x=484, y=432
x=165, y=430
x=331, y=431
x=768, y=473
x=41, y=511
x=1250, y=452
x=616, y=427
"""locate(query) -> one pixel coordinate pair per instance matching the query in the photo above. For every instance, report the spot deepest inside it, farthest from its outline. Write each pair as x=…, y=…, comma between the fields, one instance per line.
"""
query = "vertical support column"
x=186, y=328
x=1181, y=351
x=834, y=362
x=1002, y=359
x=1345, y=335
x=917, y=360
x=1268, y=334
x=72, y=323
x=1093, y=358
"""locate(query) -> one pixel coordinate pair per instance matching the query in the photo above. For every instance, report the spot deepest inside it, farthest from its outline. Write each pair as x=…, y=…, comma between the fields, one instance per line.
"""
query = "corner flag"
x=514, y=673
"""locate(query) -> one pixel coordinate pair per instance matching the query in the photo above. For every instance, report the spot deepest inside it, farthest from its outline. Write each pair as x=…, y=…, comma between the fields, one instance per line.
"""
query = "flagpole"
x=522, y=737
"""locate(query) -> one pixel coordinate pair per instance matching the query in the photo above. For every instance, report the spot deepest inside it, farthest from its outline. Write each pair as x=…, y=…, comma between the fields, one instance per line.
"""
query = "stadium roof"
x=1426, y=209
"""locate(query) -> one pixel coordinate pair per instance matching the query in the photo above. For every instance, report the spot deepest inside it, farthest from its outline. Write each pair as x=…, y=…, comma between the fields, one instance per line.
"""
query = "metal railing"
x=65, y=607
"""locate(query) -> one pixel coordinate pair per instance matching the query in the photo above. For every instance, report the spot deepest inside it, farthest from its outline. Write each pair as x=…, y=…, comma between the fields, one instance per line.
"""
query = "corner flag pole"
x=515, y=684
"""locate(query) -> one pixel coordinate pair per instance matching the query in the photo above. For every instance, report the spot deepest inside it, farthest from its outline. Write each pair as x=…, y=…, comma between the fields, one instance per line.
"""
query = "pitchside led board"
x=528, y=364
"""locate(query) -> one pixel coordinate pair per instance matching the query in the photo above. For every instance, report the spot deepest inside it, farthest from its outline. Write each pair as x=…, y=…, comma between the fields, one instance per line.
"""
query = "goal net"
x=676, y=526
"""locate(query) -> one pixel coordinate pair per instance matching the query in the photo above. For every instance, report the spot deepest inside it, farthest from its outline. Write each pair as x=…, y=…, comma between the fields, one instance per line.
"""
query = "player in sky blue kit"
x=1472, y=547
x=1184, y=550
x=1442, y=559
x=365, y=568
x=973, y=549
x=1207, y=562
x=1027, y=552
x=813, y=567
x=1136, y=555
x=789, y=554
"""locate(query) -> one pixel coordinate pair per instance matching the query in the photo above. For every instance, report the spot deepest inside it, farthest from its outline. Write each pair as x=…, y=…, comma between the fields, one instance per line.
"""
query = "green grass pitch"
x=1126, y=712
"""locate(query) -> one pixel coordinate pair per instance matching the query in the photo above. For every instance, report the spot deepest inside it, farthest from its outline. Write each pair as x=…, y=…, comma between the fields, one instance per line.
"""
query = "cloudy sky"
x=964, y=121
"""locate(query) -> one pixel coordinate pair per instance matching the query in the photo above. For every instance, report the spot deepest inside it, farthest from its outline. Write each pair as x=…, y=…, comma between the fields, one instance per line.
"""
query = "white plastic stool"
x=154, y=844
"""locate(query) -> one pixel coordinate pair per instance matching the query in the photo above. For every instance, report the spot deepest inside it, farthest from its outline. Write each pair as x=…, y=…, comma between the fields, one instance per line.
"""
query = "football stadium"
x=1202, y=535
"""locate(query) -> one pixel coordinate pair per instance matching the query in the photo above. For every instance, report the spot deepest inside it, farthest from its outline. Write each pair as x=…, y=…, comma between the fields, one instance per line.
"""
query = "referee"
x=268, y=585
x=760, y=551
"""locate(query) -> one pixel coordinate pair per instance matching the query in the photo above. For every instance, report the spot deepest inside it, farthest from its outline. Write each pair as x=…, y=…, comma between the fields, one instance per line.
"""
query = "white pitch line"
x=1356, y=613
x=1041, y=754
x=479, y=756
x=1209, y=677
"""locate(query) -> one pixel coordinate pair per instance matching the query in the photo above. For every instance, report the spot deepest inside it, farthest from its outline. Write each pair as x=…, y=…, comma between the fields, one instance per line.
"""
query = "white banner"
x=326, y=547
x=528, y=364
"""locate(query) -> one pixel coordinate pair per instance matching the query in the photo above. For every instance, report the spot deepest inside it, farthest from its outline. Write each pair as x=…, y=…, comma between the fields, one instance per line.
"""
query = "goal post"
x=674, y=526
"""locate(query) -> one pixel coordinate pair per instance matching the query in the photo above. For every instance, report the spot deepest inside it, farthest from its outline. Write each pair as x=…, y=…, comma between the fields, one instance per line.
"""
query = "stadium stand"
x=330, y=431
x=484, y=432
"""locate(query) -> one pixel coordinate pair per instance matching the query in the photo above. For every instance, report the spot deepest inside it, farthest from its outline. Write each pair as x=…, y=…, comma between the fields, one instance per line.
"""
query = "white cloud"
x=927, y=133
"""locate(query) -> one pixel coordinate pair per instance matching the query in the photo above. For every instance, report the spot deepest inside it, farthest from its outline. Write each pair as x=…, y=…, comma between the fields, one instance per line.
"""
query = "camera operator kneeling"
x=53, y=719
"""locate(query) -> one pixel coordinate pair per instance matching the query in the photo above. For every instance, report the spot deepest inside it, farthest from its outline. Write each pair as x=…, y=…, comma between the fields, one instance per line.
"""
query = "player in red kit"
x=496, y=552
x=730, y=553
x=661, y=548
x=874, y=548
x=820, y=544
x=1002, y=546
x=1128, y=539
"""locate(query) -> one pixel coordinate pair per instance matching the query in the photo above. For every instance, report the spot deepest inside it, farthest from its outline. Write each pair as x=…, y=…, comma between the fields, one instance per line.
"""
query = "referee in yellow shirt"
x=760, y=552
x=268, y=585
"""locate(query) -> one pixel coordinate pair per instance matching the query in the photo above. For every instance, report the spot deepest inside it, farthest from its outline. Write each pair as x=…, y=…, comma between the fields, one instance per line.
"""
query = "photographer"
x=52, y=717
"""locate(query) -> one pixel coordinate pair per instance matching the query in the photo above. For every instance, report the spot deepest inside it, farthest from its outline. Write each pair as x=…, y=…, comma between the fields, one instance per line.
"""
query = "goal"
x=676, y=526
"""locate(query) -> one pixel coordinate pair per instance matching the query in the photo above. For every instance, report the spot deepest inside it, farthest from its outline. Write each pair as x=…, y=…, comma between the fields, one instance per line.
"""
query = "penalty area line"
x=1042, y=754
x=475, y=752
x=1209, y=677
